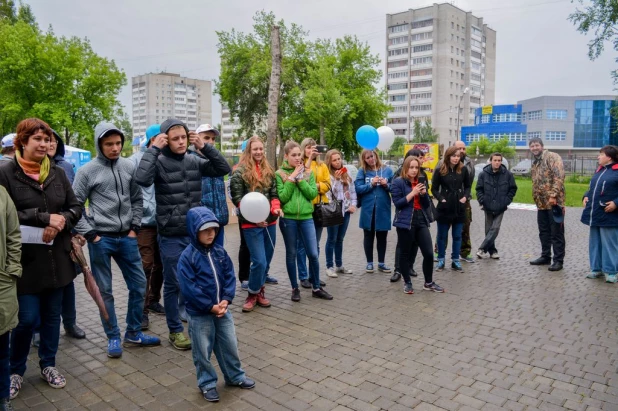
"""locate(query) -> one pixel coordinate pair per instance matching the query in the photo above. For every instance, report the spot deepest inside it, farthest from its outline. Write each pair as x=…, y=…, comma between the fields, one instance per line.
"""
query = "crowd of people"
x=160, y=215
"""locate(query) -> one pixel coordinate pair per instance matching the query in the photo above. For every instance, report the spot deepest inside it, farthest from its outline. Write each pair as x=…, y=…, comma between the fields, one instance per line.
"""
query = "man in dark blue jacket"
x=207, y=281
x=177, y=179
x=495, y=190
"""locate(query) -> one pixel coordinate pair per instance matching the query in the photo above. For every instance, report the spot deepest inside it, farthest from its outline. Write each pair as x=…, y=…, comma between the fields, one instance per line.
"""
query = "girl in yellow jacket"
x=311, y=159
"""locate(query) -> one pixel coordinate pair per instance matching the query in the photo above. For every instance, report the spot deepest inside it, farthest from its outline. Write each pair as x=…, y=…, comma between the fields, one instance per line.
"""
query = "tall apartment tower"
x=157, y=97
x=439, y=58
x=229, y=132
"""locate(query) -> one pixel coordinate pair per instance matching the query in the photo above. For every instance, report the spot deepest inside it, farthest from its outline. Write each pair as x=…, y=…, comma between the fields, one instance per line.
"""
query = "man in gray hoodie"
x=111, y=226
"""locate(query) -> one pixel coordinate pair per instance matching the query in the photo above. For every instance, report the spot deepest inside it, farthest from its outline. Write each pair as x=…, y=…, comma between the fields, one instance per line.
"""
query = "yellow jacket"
x=322, y=177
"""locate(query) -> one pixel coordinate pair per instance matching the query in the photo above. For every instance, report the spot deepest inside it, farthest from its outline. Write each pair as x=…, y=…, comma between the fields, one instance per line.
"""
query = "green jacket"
x=296, y=197
x=10, y=266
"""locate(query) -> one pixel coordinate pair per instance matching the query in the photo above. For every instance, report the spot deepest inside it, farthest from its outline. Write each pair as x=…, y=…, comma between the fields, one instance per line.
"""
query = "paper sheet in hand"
x=32, y=235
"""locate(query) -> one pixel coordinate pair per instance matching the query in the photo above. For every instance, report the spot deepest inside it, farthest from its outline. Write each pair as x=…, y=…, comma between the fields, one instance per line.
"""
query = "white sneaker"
x=495, y=256
x=331, y=273
x=481, y=254
x=343, y=270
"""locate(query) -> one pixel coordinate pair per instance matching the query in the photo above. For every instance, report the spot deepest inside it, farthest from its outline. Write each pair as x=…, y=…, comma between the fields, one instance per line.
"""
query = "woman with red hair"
x=44, y=199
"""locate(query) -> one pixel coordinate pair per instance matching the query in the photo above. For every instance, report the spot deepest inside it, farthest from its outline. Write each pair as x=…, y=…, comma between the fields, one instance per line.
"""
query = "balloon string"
x=270, y=238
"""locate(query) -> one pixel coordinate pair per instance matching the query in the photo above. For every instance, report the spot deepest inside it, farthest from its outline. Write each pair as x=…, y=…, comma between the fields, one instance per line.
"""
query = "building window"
x=422, y=60
x=420, y=107
x=506, y=117
x=418, y=96
x=476, y=31
x=475, y=66
x=556, y=114
x=555, y=135
x=422, y=36
x=475, y=43
x=424, y=72
x=534, y=115
x=398, y=63
x=595, y=126
x=424, y=47
x=485, y=118
x=397, y=86
x=398, y=74
x=397, y=97
x=399, y=109
x=419, y=84
x=398, y=29
x=397, y=40
x=422, y=23
x=398, y=120
x=475, y=77
x=534, y=134
x=475, y=54
x=398, y=52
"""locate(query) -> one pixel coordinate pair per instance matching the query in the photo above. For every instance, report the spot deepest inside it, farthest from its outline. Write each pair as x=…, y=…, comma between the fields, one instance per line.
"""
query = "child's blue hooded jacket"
x=206, y=274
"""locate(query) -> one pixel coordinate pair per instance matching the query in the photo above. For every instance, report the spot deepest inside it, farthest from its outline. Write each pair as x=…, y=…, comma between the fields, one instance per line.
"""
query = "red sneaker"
x=249, y=303
x=262, y=301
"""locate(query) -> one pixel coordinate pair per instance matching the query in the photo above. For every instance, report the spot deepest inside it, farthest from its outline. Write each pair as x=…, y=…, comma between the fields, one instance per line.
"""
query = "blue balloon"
x=367, y=137
x=244, y=145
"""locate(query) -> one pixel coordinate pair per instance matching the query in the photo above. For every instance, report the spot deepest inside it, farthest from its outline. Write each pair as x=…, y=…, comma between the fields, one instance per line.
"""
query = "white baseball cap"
x=207, y=127
x=209, y=224
x=7, y=141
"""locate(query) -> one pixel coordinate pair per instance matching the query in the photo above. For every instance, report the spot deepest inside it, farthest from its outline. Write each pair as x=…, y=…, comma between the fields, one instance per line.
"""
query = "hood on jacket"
x=172, y=122
x=152, y=131
x=100, y=131
x=60, y=145
x=196, y=218
x=488, y=169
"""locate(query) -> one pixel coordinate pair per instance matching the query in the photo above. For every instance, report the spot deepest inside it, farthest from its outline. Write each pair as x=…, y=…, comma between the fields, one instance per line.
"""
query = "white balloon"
x=386, y=137
x=255, y=207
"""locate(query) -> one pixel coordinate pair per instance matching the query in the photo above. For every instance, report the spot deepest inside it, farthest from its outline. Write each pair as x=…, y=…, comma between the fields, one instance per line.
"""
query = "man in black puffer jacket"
x=177, y=179
x=495, y=190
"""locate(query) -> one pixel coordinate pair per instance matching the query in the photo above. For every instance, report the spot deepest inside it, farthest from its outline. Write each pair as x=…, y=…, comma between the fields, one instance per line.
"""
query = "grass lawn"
x=574, y=192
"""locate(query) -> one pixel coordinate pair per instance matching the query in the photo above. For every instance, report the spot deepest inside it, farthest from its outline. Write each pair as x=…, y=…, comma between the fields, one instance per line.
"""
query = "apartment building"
x=159, y=96
x=441, y=66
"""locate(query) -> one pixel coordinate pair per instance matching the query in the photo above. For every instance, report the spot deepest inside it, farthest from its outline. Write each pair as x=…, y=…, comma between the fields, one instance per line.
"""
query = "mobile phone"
x=422, y=180
x=344, y=170
x=321, y=149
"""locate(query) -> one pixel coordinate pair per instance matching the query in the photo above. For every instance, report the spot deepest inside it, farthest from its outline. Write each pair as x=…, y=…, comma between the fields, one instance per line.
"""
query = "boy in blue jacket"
x=208, y=284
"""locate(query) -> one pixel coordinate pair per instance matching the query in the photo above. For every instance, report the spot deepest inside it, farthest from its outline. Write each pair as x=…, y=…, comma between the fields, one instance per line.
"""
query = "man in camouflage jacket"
x=547, y=191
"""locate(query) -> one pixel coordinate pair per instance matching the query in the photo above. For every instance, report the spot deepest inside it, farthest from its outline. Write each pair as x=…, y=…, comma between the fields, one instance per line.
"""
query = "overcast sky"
x=539, y=52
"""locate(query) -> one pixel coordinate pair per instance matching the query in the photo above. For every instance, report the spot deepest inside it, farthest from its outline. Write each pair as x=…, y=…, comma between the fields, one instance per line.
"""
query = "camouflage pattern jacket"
x=547, y=179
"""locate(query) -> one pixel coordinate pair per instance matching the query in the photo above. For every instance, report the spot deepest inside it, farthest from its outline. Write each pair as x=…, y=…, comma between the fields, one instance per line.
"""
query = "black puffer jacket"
x=451, y=187
x=178, y=183
x=495, y=191
x=44, y=266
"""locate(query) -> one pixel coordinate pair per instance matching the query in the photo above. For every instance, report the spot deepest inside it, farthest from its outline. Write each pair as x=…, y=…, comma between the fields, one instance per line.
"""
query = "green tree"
x=486, y=147
x=423, y=132
x=7, y=11
x=601, y=18
x=397, y=147
x=59, y=79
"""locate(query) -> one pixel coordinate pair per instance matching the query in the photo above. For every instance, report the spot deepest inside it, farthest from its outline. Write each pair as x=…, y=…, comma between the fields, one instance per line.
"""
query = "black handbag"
x=328, y=214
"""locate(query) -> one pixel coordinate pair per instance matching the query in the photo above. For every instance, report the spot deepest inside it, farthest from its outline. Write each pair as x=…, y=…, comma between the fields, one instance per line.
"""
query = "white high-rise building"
x=439, y=59
x=230, y=141
x=157, y=97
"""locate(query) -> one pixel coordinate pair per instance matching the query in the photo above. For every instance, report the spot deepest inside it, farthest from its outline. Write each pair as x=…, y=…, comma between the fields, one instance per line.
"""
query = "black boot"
x=395, y=277
x=74, y=331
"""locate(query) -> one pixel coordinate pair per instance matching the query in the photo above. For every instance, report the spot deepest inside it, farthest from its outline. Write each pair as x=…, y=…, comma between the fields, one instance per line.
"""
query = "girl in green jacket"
x=297, y=188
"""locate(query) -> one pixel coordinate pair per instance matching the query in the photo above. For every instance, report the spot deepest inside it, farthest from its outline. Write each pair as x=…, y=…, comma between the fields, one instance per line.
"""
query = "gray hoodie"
x=115, y=199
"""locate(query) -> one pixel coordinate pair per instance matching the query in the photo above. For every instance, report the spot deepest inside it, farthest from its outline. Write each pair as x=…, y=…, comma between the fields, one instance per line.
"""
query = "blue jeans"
x=301, y=257
x=171, y=248
x=292, y=231
x=69, y=314
x=261, y=250
x=602, y=246
x=210, y=333
x=47, y=305
x=334, y=242
x=5, y=365
x=443, y=236
x=126, y=254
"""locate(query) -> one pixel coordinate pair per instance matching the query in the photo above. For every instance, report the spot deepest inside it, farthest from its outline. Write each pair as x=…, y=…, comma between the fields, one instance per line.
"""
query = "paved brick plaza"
x=506, y=335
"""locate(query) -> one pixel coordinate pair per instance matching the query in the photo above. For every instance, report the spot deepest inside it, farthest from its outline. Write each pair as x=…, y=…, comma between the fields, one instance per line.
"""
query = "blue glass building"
x=567, y=123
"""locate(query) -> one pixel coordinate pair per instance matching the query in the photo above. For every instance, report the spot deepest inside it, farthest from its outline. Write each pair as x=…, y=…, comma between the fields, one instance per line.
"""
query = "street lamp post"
x=459, y=109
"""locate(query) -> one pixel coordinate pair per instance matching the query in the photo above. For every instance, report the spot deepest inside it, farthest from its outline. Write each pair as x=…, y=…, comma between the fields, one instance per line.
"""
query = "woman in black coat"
x=44, y=200
x=451, y=187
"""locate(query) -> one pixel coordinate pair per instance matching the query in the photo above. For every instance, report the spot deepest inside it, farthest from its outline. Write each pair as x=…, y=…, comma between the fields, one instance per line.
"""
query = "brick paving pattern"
x=505, y=336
